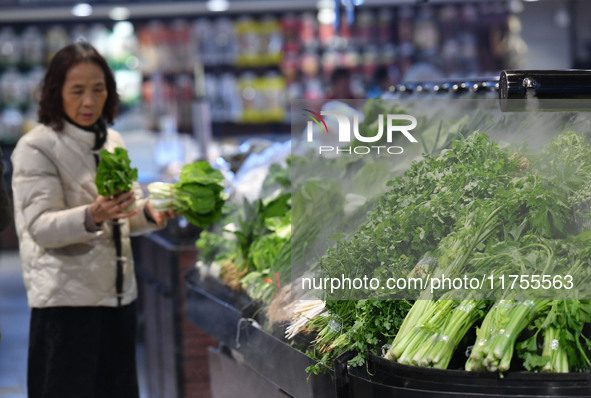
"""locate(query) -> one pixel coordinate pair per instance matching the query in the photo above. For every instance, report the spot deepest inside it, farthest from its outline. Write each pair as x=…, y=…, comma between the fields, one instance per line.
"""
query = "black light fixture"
x=560, y=90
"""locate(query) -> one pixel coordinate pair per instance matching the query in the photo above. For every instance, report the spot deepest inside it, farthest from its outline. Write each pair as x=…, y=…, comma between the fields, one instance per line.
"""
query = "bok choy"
x=197, y=194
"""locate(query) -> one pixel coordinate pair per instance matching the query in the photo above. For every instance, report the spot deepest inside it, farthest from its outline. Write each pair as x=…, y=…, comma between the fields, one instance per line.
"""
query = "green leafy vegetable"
x=421, y=209
x=213, y=247
x=114, y=173
x=197, y=195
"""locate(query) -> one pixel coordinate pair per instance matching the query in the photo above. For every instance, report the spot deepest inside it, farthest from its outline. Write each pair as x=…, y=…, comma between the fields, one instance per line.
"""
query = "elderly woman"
x=74, y=243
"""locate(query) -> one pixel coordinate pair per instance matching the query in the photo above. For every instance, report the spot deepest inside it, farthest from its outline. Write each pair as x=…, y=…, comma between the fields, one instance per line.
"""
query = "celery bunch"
x=564, y=346
x=502, y=325
x=431, y=338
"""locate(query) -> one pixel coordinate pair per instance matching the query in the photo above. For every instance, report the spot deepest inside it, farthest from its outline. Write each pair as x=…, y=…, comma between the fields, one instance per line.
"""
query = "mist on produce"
x=331, y=197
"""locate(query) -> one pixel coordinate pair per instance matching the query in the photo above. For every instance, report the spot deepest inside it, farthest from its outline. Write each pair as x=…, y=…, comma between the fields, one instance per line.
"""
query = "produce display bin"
x=214, y=307
x=387, y=379
x=281, y=364
x=175, y=349
x=268, y=356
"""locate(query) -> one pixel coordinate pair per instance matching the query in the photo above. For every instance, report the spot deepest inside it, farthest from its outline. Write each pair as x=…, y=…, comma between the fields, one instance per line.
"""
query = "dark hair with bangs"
x=51, y=109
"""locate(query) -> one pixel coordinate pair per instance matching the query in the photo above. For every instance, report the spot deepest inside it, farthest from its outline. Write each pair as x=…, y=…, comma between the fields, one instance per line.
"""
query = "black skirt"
x=82, y=352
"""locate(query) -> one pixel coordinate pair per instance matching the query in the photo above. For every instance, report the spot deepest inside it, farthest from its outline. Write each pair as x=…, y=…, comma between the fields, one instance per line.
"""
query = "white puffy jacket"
x=53, y=184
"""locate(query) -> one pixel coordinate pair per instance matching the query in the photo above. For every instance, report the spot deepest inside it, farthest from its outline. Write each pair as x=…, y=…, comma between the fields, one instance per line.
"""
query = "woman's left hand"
x=161, y=217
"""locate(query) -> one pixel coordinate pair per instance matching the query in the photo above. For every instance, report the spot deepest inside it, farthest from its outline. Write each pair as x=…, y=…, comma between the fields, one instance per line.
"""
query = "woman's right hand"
x=109, y=208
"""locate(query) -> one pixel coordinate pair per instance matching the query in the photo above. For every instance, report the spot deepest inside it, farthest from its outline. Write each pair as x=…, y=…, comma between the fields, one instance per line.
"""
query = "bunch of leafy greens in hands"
x=197, y=194
x=114, y=173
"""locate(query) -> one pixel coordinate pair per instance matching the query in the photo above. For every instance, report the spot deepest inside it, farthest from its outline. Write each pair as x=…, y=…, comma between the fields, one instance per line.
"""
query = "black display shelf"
x=282, y=364
x=214, y=307
x=228, y=317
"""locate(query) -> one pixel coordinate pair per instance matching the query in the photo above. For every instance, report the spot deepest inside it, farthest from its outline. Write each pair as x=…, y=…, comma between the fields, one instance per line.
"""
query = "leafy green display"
x=364, y=325
x=291, y=223
x=213, y=246
x=252, y=245
x=114, y=173
x=321, y=208
x=420, y=209
x=525, y=228
x=264, y=237
x=473, y=209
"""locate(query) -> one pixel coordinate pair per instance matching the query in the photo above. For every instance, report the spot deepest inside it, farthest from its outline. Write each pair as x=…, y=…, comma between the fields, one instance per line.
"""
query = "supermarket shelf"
x=145, y=10
x=19, y=11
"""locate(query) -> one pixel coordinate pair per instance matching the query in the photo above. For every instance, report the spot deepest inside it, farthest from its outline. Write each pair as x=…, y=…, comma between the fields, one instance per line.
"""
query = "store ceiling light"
x=327, y=16
x=326, y=12
x=123, y=29
x=356, y=3
x=218, y=5
x=119, y=13
x=82, y=10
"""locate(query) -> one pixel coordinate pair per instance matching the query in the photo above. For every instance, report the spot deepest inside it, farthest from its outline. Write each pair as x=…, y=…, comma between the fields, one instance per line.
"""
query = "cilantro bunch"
x=114, y=173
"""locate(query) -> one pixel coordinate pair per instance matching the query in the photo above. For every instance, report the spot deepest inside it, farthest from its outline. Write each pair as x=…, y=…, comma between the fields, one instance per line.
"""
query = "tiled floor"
x=14, y=323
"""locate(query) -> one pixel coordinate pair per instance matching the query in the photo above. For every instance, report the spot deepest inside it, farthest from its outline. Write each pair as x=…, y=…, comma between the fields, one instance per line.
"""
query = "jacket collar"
x=85, y=137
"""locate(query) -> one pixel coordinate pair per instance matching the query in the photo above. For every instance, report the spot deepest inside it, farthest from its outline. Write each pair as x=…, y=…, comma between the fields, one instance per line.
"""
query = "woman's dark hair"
x=51, y=109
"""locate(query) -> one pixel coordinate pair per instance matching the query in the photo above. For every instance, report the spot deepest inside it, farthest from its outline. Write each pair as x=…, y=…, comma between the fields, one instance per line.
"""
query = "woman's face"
x=84, y=93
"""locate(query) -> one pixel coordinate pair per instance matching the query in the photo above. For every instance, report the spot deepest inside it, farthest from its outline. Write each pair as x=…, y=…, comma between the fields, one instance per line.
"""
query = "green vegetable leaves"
x=114, y=174
x=201, y=173
x=197, y=195
x=419, y=210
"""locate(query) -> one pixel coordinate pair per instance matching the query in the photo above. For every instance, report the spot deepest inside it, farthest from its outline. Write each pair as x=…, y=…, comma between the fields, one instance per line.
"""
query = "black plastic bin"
x=387, y=379
x=227, y=316
x=214, y=307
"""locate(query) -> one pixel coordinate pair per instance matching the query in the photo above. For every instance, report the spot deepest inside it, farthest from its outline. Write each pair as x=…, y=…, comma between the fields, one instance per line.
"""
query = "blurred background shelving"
x=257, y=56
